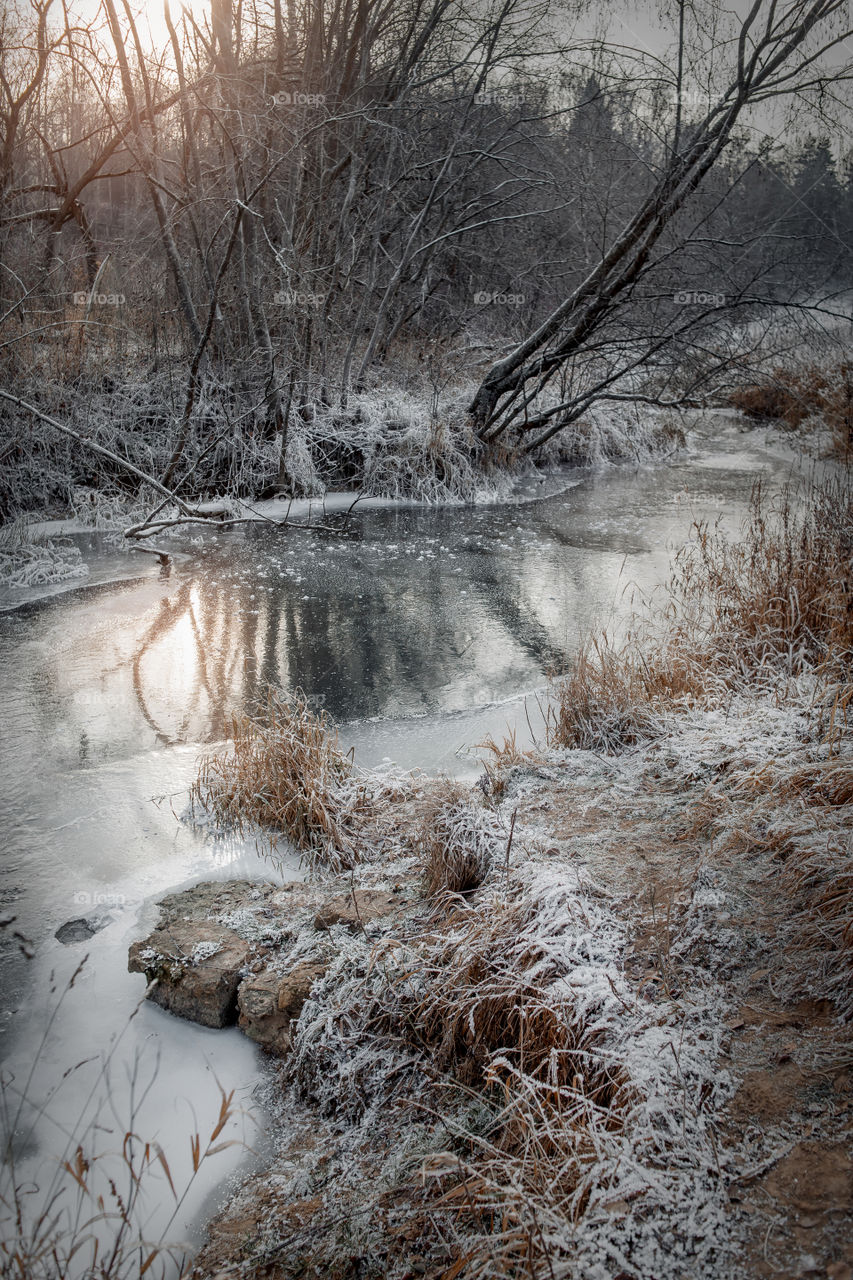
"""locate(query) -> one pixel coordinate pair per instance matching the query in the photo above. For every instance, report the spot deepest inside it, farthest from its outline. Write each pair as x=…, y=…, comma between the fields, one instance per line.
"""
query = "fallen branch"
x=165, y=557
x=144, y=531
x=148, y=526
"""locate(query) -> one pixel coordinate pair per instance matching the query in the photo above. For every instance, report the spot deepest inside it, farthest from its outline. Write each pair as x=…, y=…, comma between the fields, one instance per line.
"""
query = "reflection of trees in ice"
x=385, y=636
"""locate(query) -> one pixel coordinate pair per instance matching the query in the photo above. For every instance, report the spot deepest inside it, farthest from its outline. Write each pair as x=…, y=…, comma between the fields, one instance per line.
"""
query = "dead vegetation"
x=742, y=613
x=615, y=695
x=798, y=815
x=767, y=615
x=777, y=600
x=457, y=846
x=490, y=1013
x=503, y=756
x=487, y=1083
x=814, y=394
x=31, y=561
x=501, y=1020
x=285, y=772
x=500, y=1012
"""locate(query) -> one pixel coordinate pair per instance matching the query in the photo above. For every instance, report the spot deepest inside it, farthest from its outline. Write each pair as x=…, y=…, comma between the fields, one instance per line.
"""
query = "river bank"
x=415, y=628
x=397, y=451
x=599, y=1026
x=613, y=1057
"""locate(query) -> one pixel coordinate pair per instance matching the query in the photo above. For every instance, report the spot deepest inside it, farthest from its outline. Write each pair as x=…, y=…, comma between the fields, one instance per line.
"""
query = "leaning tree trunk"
x=765, y=67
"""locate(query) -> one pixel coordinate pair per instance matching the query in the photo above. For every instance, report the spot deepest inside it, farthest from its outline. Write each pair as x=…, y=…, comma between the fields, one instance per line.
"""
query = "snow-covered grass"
x=544, y=1116
x=393, y=442
x=548, y=1085
x=458, y=843
x=792, y=807
x=28, y=559
x=539, y=1117
x=764, y=618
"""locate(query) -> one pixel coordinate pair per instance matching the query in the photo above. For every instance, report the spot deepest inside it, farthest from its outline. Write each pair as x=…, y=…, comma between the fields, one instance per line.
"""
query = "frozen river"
x=419, y=630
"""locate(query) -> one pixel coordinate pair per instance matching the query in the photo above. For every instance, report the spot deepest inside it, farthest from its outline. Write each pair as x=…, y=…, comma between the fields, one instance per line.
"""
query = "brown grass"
x=616, y=696
x=767, y=614
x=285, y=772
x=504, y=755
x=780, y=595
x=793, y=397
x=799, y=816
x=490, y=1014
x=774, y=602
x=494, y=1016
x=817, y=873
x=515, y=1068
x=457, y=847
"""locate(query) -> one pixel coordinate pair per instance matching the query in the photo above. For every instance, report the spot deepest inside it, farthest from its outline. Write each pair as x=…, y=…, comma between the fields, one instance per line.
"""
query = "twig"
x=509, y=843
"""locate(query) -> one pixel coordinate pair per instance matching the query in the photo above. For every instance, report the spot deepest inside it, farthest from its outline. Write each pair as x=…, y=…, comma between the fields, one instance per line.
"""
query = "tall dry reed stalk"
x=285, y=772
x=87, y=1218
x=740, y=614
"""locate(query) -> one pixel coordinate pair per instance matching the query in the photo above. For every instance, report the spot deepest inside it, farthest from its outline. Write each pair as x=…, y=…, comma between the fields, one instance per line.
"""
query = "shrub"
x=792, y=397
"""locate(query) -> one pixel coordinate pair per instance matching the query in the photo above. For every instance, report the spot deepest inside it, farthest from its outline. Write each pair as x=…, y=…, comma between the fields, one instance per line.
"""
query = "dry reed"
x=740, y=614
x=765, y=616
x=285, y=772
x=86, y=1211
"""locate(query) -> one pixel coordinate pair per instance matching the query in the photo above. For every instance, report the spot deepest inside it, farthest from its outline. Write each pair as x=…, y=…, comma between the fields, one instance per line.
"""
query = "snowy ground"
x=721, y=1145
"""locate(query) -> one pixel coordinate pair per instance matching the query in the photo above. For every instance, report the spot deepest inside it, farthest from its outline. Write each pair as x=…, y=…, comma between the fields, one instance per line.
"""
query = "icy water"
x=419, y=631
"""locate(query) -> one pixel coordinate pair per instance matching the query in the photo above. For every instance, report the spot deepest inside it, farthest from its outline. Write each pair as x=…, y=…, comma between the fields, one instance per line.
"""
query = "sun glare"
x=149, y=17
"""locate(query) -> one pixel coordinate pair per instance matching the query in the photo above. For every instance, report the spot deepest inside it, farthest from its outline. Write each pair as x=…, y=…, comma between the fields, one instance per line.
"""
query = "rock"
x=296, y=987
x=259, y=1018
x=197, y=967
x=269, y=1002
x=213, y=898
x=369, y=904
x=80, y=930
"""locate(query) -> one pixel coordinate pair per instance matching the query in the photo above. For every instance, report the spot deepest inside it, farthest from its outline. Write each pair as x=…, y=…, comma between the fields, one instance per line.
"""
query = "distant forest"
x=217, y=254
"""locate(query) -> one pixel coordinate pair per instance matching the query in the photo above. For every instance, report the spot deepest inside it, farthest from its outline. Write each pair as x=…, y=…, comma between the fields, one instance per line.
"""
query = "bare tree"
x=779, y=51
x=300, y=201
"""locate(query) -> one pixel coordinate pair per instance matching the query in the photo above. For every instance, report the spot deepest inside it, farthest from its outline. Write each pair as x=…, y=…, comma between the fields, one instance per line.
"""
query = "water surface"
x=418, y=630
